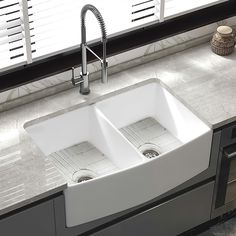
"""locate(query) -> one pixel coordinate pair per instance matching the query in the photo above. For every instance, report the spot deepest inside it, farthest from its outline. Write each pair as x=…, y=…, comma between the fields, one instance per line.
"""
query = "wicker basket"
x=223, y=41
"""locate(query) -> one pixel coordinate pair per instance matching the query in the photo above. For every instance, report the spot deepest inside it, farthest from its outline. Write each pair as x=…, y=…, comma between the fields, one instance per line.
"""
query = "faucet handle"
x=76, y=80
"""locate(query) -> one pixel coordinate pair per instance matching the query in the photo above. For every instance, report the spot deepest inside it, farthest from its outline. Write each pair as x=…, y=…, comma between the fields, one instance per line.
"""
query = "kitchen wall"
x=60, y=82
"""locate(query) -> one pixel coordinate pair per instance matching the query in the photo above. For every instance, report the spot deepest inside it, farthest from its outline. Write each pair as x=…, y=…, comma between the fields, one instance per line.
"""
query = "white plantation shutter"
x=174, y=8
x=144, y=11
x=34, y=29
x=56, y=23
x=12, y=33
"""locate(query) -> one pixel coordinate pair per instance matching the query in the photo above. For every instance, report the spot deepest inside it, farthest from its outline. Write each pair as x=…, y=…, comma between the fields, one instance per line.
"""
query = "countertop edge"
x=35, y=199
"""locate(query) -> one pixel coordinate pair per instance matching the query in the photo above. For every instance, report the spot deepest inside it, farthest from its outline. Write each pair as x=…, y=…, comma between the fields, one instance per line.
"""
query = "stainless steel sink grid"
x=84, y=156
x=150, y=137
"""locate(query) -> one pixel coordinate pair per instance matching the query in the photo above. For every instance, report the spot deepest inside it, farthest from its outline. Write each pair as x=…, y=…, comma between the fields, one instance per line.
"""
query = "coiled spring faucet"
x=83, y=79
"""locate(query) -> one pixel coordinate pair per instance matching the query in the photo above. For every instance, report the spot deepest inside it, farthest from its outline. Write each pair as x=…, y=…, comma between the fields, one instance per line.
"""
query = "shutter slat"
x=11, y=31
x=144, y=6
x=5, y=25
x=11, y=17
x=9, y=10
x=7, y=3
x=147, y=12
x=11, y=49
x=13, y=38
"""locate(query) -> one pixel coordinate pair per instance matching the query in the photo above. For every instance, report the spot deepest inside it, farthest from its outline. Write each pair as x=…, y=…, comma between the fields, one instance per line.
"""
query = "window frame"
x=116, y=44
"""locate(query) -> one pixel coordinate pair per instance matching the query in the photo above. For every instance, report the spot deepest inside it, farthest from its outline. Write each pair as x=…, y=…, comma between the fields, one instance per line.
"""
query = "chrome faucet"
x=83, y=79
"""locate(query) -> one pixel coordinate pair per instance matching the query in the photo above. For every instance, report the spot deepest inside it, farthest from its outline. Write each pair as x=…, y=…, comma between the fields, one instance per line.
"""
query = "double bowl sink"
x=123, y=150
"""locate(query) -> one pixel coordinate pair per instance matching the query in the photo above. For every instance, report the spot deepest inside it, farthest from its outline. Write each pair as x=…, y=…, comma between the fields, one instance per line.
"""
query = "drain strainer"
x=83, y=175
x=149, y=150
x=150, y=153
x=83, y=178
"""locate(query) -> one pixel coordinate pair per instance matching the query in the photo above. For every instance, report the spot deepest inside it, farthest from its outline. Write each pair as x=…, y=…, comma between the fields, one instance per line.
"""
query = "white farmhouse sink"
x=109, y=137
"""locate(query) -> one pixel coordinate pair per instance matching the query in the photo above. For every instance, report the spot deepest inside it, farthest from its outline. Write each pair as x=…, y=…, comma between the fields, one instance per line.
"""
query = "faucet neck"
x=84, y=86
x=97, y=14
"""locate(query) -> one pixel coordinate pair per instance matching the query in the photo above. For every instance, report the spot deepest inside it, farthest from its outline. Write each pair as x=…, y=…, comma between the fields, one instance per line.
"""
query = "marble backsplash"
x=51, y=85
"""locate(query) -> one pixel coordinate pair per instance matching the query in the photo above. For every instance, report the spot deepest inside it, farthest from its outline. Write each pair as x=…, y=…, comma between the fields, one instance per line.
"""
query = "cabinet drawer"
x=35, y=221
x=170, y=218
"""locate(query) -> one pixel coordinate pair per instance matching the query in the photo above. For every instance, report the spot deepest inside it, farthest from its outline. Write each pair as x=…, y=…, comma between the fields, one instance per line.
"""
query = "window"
x=34, y=29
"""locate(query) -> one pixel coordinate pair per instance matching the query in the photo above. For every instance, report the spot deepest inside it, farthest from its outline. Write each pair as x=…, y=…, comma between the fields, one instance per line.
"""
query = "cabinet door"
x=168, y=219
x=35, y=221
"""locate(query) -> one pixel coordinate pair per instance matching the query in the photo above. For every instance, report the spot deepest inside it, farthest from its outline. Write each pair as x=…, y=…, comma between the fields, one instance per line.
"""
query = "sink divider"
x=112, y=142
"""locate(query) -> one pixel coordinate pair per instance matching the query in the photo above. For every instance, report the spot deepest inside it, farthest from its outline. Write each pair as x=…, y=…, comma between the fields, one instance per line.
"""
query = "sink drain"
x=83, y=178
x=149, y=150
x=83, y=175
x=150, y=153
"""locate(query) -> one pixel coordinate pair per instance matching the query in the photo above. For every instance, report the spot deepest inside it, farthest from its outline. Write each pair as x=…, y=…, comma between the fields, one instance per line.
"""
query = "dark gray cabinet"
x=170, y=218
x=34, y=221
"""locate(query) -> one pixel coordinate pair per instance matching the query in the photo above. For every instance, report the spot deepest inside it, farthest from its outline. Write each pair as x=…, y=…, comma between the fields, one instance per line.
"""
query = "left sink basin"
x=84, y=145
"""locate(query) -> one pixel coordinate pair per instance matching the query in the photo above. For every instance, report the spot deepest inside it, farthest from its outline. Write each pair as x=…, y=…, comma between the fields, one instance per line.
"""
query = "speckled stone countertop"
x=203, y=81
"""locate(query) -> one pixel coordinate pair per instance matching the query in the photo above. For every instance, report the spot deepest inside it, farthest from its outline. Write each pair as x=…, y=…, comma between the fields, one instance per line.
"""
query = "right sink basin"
x=153, y=109
x=174, y=140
